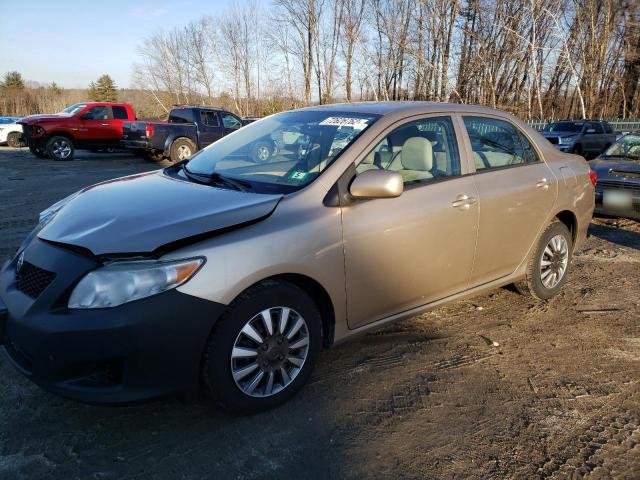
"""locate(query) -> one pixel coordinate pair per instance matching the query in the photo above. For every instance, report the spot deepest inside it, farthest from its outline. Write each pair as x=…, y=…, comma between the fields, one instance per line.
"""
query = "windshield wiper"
x=215, y=177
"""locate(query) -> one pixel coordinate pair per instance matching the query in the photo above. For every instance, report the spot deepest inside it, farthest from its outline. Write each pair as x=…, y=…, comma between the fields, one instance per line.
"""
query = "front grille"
x=27, y=131
x=32, y=280
x=605, y=185
x=554, y=140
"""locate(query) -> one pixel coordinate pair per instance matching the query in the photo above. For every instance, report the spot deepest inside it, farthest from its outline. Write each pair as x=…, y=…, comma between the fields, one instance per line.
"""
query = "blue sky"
x=73, y=42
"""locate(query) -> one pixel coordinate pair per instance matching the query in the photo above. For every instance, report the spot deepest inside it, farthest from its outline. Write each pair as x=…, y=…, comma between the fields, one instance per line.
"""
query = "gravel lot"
x=426, y=398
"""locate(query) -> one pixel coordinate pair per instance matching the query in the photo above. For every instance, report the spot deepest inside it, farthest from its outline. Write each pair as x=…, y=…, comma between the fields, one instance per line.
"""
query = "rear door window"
x=597, y=127
x=497, y=143
x=209, y=118
x=119, y=113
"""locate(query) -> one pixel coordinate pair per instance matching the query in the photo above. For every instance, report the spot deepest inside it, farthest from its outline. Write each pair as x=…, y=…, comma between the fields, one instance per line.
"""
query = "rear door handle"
x=543, y=183
x=463, y=201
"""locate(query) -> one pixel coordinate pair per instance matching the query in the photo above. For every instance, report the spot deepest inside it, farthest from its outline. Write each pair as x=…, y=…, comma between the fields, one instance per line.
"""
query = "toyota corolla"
x=223, y=273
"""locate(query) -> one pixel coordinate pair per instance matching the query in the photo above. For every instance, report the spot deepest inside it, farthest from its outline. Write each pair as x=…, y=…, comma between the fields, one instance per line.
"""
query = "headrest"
x=417, y=154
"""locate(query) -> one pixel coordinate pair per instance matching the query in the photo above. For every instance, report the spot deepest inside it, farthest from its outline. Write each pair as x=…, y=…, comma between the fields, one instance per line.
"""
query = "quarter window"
x=496, y=143
x=420, y=151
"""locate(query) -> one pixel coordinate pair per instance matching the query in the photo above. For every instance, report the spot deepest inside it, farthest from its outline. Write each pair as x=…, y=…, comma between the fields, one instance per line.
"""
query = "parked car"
x=188, y=129
x=86, y=125
x=4, y=120
x=618, y=185
x=229, y=274
x=11, y=134
x=583, y=137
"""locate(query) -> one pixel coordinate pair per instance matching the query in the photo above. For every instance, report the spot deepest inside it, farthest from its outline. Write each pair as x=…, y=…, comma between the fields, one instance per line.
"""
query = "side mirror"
x=87, y=116
x=377, y=184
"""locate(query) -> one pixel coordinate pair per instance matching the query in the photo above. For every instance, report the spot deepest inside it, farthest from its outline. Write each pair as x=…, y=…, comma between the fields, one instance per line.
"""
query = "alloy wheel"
x=555, y=259
x=263, y=153
x=269, y=352
x=61, y=149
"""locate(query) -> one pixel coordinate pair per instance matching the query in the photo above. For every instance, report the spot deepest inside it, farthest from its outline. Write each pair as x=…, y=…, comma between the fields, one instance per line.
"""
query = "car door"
x=230, y=122
x=117, y=118
x=94, y=127
x=209, y=128
x=404, y=252
x=516, y=191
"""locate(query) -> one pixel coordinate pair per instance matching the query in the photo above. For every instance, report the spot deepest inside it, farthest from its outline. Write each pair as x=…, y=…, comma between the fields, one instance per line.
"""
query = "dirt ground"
x=430, y=397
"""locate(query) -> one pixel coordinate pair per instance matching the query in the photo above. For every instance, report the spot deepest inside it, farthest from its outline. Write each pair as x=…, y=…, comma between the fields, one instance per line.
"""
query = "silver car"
x=231, y=274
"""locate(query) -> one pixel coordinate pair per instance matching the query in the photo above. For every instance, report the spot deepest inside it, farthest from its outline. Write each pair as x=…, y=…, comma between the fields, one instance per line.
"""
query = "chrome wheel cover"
x=183, y=152
x=269, y=352
x=61, y=149
x=554, y=261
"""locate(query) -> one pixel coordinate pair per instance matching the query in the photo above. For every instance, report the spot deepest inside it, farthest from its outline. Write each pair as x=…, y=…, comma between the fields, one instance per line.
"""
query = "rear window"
x=119, y=113
x=181, y=116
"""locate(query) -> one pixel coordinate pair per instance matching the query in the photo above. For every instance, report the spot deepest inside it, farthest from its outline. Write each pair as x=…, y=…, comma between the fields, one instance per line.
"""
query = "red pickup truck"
x=86, y=125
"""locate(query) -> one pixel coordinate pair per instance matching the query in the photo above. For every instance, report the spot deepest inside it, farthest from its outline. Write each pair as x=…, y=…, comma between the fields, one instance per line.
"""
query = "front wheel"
x=549, y=266
x=60, y=148
x=263, y=350
x=14, y=140
x=182, y=149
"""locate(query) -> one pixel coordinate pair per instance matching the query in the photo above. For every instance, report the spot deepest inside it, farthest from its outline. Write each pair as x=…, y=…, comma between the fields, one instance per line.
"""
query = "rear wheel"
x=60, y=148
x=181, y=149
x=14, y=140
x=263, y=350
x=549, y=266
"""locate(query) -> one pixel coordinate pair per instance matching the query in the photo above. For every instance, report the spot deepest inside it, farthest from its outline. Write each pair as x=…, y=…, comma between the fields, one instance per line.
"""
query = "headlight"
x=122, y=282
x=47, y=215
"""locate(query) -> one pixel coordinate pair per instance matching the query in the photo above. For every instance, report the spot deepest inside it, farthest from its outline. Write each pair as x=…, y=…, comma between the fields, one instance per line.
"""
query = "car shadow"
x=617, y=234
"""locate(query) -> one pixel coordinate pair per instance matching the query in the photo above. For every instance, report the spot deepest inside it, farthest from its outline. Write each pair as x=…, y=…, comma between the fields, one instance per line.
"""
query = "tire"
x=218, y=367
x=14, y=140
x=38, y=152
x=181, y=149
x=535, y=283
x=261, y=152
x=60, y=148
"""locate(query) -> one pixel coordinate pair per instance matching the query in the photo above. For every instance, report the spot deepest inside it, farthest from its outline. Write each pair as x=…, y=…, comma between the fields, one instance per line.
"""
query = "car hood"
x=617, y=169
x=142, y=213
x=33, y=119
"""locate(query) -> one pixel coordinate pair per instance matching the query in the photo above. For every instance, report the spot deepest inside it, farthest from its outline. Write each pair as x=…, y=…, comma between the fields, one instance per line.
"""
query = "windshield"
x=572, y=127
x=73, y=109
x=628, y=146
x=284, y=152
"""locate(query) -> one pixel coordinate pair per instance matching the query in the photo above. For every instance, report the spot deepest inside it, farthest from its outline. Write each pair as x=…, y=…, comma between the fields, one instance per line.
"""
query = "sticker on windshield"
x=356, y=123
x=297, y=175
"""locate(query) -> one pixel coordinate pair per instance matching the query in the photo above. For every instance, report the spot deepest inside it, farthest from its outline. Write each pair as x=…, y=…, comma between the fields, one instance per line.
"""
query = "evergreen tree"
x=13, y=80
x=103, y=90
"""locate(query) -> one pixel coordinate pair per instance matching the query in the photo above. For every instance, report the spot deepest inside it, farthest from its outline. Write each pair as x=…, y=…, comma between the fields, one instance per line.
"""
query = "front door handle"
x=104, y=124
x=463, y=201
x=543, y=183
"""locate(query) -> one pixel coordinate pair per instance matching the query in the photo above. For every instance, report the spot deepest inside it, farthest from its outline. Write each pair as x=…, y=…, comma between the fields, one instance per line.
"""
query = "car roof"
x=384, y=108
